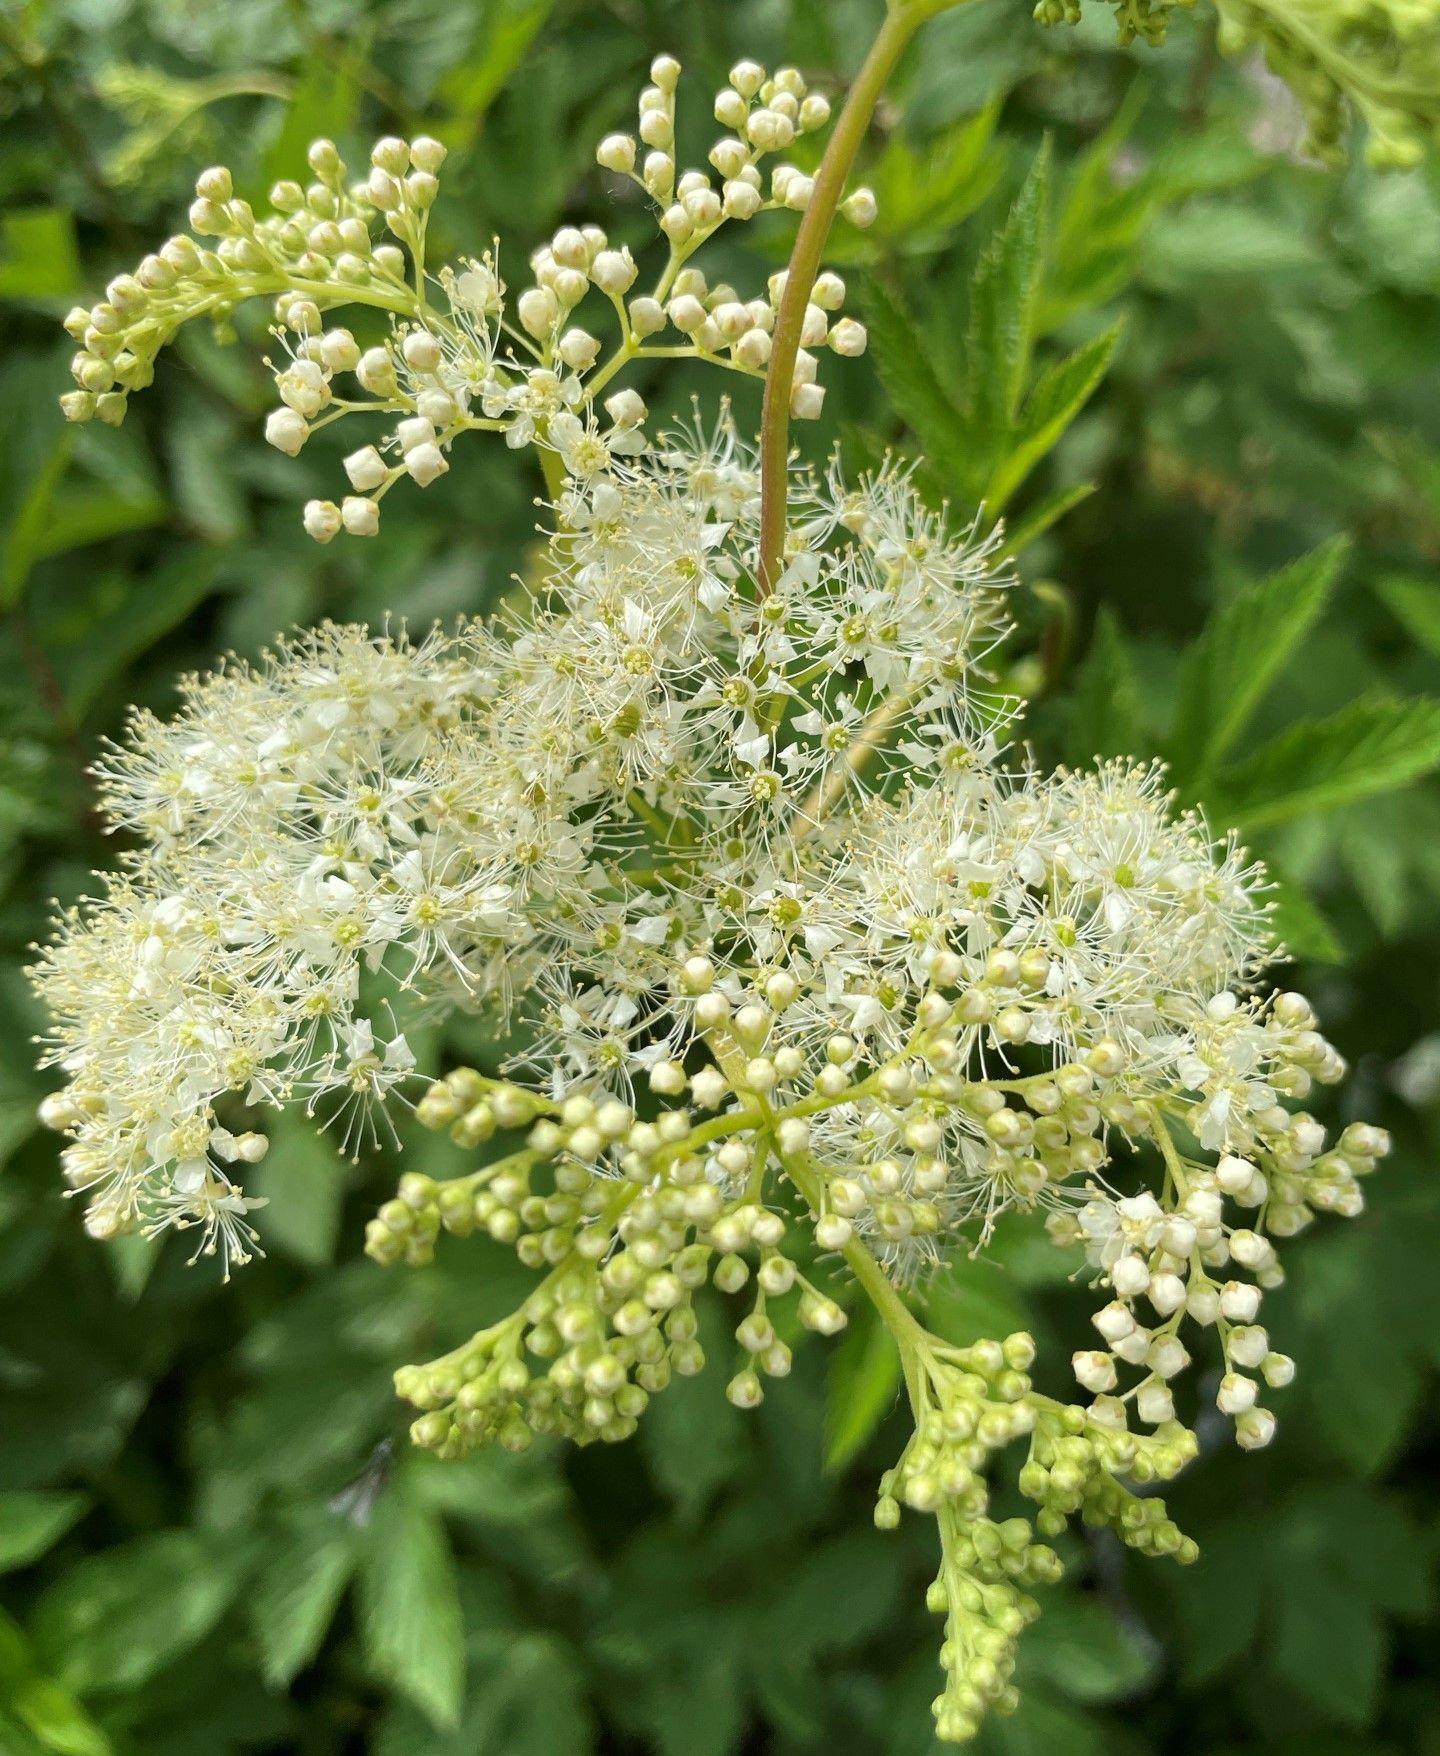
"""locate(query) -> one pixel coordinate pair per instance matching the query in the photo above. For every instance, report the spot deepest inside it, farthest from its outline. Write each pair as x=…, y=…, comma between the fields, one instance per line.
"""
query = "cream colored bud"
x=704, y=208
x=360, y=516
x=613, y=271
x=568, y=248
x=657, y=129
x=806, y=401
x=860, y=208
x=659, y=174
x=647, y=317
x=768, y=131
x=421, y=350
x=676, y=223
x=366, y=469
x=616, y=152
x=814, y=112
x=849, y=338
x=414, y=431
x=814, y=326
x=626, y=409
x=753, y=350
x=425, y=463
x=427, y=154
x=215, y=184
x=382, y=191
x=538, y=310
x=287, y=431
x=687, y=314
x=376, y=371
x=741, y=201
x=731, y=109
x=578, y=349
x=729, y=156
x=747, y=77
x=391, y=154
x=437, y=406
x=321, y=519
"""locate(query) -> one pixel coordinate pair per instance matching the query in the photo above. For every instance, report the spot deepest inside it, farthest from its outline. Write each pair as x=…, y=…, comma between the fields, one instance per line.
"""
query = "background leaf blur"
x=1138, y=311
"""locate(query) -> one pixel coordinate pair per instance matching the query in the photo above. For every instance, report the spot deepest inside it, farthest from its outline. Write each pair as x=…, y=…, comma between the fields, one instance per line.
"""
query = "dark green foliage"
x=1097, y=287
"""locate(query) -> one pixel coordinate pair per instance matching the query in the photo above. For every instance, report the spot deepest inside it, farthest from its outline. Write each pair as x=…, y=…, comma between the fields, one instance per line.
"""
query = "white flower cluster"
x=718, y=821
x=669, y=819
x=460, y=355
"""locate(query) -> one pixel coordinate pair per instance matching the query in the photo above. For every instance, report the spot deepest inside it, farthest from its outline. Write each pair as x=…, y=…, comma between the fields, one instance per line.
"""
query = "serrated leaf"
x=32, y=1521
x=1037, y=518
x=1299, y=925
x=1241, y=650
x=1059, y=394
x=863, y=1382
x=902, y=359
x=1415, y=603
x=924, y=192
x=1105, y=700
x=1371, y=746
x=298, y=1590
x=1004, y=292
x=410, y=1622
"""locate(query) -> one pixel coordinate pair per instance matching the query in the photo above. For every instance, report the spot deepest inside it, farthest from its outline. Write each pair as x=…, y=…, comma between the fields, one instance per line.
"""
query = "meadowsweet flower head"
x=811, y=962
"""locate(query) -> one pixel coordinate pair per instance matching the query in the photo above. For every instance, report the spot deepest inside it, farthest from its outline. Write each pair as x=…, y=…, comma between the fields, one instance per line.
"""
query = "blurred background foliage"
x=1102, y=286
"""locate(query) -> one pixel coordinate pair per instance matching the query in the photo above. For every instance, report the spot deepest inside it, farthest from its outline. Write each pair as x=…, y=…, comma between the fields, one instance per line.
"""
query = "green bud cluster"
x=1377, y=58
x=978, y=1590
x=1075, y=1464
x=622, y=1216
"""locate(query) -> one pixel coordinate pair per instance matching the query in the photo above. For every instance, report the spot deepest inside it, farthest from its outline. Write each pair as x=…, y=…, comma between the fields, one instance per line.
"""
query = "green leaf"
x=53, y=1721
x=1086, y=1653
x=410, y=1622
x=118, y=1617
x=863, y=1382
x=1060, y=392
x=1329, y=1646
x=903, y=361
x=90, y=639
x=31, y=1521
x=302, y=1180
x=38, y=259
x=298, y=1590
x=1003, y=297
x=1373, y=745
x=1241, y=650
x=693, y=1439
x=1415, y=603
x=1299, y=925
x=1037, y=518
x=972, y=1299
x=1105, y=700
x=924, y=193
x=471, y=87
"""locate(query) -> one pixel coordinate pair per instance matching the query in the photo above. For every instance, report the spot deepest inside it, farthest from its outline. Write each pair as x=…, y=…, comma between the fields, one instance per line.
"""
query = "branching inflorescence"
x=804, y=965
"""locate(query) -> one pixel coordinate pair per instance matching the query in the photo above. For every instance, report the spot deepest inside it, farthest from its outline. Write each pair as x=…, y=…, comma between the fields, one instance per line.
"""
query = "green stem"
x=902, y=20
